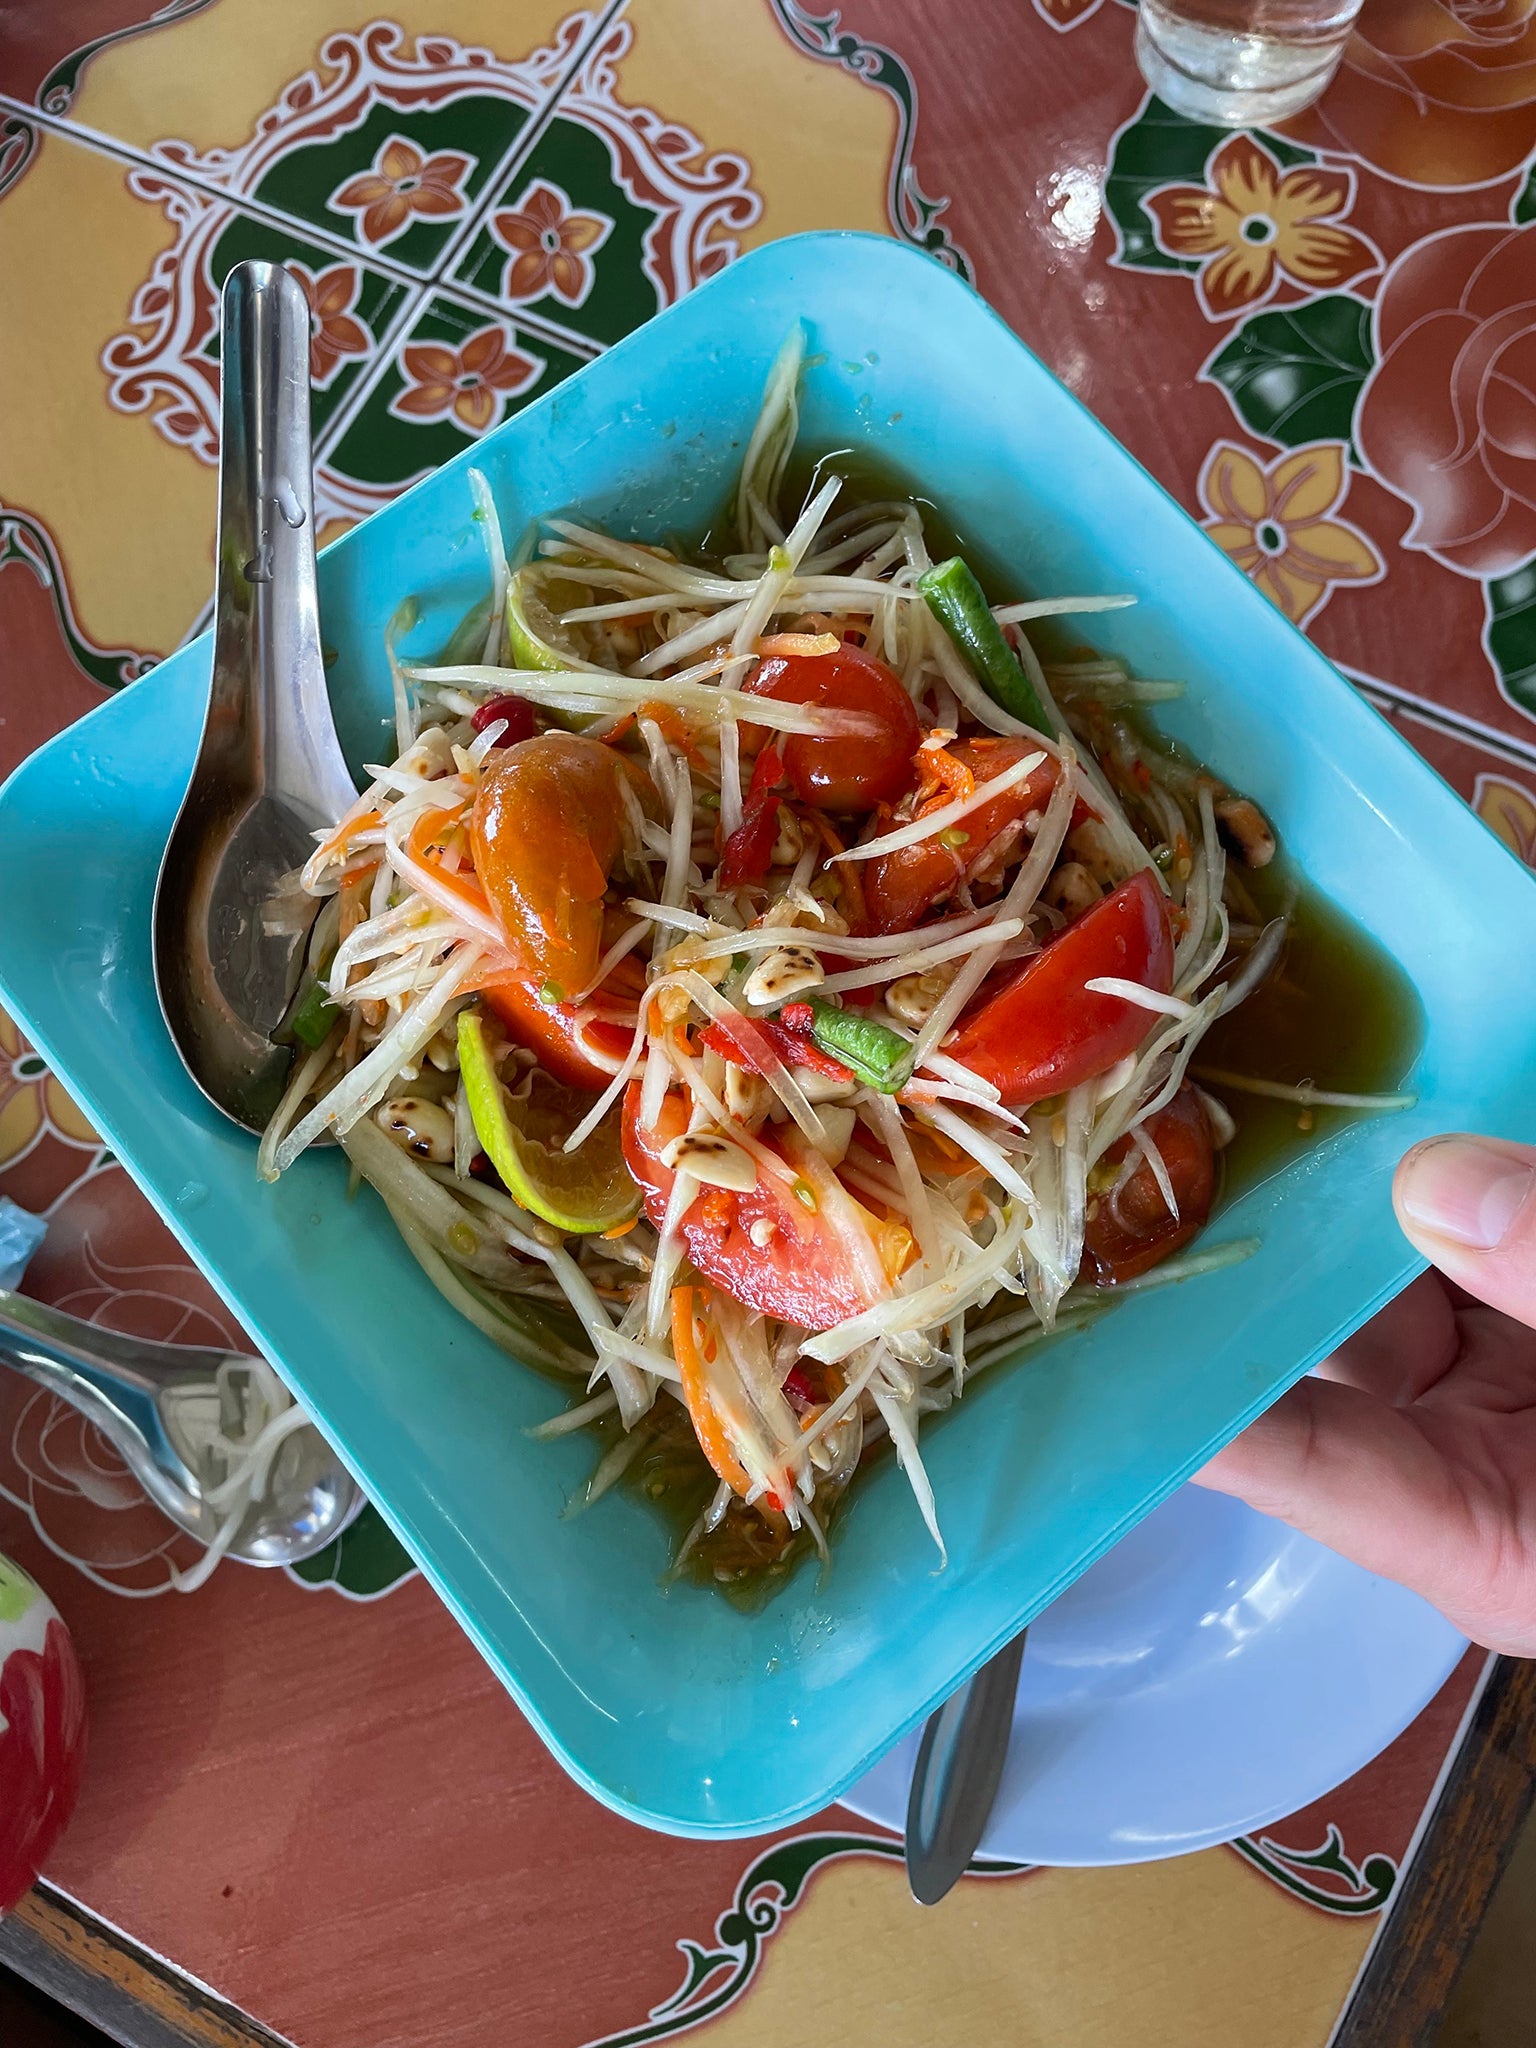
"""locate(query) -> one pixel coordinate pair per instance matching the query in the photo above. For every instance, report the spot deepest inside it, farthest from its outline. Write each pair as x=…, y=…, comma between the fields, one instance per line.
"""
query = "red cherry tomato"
x=901, y=888
x=817, y=1266
x=856, y=773
x=1133, y=1233
x=573, y=1044
x=1046, y=1031
x=516, y=713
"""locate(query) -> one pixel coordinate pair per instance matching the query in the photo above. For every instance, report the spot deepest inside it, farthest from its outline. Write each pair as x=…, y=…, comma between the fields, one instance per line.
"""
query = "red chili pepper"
x=747, y=853
x=799, y=1392
x=747, y=1040
x=518, y=713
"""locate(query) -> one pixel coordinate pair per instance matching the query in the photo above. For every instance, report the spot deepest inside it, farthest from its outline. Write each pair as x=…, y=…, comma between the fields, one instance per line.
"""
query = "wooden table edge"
x=104, y=1976
x=1488, y=1790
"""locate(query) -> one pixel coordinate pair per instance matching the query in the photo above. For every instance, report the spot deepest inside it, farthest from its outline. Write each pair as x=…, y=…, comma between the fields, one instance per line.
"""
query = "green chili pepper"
x=313, y=1019
x=880, y=1058
x=959, y=604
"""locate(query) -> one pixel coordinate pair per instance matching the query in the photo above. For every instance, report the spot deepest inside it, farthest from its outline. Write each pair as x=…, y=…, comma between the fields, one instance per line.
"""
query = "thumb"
x=1469, y=1205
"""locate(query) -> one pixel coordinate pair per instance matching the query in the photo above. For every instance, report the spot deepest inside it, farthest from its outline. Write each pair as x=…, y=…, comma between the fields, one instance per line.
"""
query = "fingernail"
x=1464, y=1191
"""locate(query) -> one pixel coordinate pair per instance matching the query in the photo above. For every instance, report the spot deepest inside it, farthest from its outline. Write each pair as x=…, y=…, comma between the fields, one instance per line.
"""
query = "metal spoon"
x=269, y=769
x=156, y=1404
x=955, y=1779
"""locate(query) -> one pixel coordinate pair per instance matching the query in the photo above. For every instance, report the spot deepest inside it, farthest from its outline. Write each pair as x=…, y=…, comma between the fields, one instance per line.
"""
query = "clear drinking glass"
x=1241, y=62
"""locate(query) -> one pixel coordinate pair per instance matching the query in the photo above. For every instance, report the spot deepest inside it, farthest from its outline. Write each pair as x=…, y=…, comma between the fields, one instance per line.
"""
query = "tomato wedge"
x=1046, y=1031
x=843, y=774
x=818, y=1265
x=901, y=888
x=1135, y=1232
x=573, y=1044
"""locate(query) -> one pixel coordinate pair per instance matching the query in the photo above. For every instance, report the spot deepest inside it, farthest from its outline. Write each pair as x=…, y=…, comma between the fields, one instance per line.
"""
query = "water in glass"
x=1241, y=62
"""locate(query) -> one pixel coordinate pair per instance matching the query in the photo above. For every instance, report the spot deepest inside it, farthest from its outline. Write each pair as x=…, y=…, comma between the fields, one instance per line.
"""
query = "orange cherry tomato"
x=900, y=888
x=1132, y=1233
x=843, y=774
x=1045, y=1031
x=548, y=827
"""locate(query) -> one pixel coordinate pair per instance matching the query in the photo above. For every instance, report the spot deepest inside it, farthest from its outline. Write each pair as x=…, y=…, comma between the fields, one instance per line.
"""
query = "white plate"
x=1212, y=1674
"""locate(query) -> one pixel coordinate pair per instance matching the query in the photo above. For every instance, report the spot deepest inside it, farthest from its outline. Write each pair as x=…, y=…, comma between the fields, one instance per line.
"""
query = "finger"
x=1494, y=1372
x=1402, y=1352
x=1469, y=1205
x=1355, y=1474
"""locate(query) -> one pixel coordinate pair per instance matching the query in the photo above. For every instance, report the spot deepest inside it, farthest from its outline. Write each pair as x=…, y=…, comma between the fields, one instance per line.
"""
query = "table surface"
x=309, y=1808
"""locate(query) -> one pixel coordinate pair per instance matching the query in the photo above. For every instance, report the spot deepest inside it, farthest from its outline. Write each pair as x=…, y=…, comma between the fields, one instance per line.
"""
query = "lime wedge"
x=533, y=629
x=587, y=1190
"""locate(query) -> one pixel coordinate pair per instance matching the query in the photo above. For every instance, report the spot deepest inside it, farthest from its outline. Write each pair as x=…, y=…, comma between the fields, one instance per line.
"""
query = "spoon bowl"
x=167, y=1409
x=229, y=936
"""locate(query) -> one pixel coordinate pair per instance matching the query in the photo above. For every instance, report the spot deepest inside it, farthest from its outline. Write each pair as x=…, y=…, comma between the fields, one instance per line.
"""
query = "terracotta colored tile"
x=43, y=50
x=565, y=240
x=1049, y=209
x=385, y=147
x=40, y=639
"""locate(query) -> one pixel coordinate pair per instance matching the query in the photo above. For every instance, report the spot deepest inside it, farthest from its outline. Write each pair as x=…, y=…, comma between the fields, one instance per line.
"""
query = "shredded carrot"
x=942, y=779
x=622, y=1229
x=346, y=830
x=935, y=1153
x=676, y=730
x=425, y=843
x=707, y=1426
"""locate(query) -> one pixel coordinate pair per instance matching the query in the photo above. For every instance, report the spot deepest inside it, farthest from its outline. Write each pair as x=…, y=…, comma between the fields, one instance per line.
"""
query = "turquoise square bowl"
x=670, y=1705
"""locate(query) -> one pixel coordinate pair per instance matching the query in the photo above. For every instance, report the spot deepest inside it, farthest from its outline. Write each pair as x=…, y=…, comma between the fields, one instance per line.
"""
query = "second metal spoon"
x=159, y=1406
x=958, y=1769
x=228, y=947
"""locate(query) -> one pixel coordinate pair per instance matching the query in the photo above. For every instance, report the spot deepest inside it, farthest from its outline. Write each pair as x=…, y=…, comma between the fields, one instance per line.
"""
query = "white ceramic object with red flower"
x=42, y=1730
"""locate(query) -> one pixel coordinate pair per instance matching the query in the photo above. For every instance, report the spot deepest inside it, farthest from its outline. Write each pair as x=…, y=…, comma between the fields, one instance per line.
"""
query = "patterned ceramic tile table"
x=304, y=1790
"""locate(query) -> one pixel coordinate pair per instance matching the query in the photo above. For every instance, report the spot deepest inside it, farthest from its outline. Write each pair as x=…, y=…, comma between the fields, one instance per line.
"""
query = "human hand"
x=1412, y=1450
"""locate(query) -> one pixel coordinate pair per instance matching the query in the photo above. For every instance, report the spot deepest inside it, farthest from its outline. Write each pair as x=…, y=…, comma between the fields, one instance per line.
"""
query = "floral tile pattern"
x=459, y=372
x=384, y=144
x=612, y=215
x=166, y=359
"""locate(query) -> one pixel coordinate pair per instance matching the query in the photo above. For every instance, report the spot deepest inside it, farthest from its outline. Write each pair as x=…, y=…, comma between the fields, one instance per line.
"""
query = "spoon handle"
x=268, y=664
x=956, y=1776
x=103, y=1374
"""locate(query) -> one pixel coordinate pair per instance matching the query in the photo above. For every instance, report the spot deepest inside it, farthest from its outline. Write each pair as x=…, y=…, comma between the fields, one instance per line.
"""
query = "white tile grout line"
x=303, y=230
x=437, y=283
x=420, y=288
x=374, y=366
x=523, y=143
x=1458, y=724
